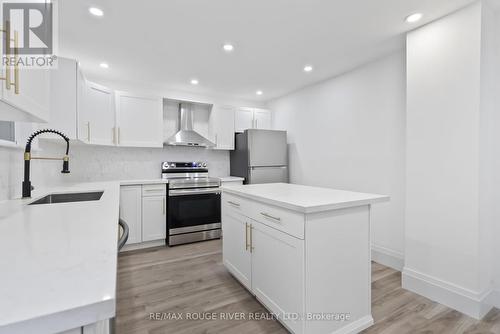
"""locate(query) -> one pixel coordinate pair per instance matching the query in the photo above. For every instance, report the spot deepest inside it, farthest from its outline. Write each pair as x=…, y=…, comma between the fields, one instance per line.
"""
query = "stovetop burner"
x=185, y=175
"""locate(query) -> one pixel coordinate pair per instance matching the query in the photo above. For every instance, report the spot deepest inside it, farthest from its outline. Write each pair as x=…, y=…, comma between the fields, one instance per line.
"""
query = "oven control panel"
x=183, y=165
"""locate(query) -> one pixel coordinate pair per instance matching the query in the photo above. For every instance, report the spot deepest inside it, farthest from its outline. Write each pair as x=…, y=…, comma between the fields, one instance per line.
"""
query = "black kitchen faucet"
x=27, y=159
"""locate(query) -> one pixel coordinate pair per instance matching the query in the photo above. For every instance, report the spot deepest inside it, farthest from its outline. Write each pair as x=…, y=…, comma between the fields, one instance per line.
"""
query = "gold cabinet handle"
x=119, y=136
x=7, y=78
x=251, y=238
x=234, y=203
x=114, y=135
x=246, y=236
x=88, y=132
x=16, y=66
x=7, y=52
x=267, y=215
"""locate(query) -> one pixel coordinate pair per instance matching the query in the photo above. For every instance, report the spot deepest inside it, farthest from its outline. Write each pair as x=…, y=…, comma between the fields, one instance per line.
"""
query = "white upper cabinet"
x=262, y=119
x=26, y=99
x=139, y=120
x=252, y=118
x=32, y=96
x=221, y=127
x=97, y=115
x=63, y=99
x=243, y=119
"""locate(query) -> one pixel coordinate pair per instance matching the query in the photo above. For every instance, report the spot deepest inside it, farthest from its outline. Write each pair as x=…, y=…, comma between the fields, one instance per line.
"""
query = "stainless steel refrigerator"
x=260, y=156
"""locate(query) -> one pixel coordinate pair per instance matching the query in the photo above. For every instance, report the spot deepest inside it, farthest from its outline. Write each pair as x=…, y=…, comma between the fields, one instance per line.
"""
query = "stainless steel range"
x=194, y=210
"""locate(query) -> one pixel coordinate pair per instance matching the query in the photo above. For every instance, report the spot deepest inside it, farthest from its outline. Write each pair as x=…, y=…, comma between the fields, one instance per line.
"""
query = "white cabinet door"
x=236, y=247
x=131, y=211
x=81, y=87
x=139, y=120
x=277, y=272
x=31, y=103
x=154, y=218
x=222, y=127
x=33, y=97
x=262, y=119
x=97, y=116
x=243, y=119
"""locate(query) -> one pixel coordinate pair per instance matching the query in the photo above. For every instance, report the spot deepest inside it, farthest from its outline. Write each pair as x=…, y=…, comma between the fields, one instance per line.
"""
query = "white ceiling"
x=166, y=43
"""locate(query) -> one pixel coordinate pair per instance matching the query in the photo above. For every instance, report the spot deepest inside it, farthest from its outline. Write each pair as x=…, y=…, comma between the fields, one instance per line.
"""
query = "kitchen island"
x=59, y=262
x=304, y=252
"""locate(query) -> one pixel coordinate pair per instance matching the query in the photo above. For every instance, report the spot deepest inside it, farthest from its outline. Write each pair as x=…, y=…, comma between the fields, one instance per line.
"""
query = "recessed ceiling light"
x=96, y=11
x=308, y=68
x=104, y=65
x=228, y=47
x=194, y=81
x=414, y=18
x=259, y=92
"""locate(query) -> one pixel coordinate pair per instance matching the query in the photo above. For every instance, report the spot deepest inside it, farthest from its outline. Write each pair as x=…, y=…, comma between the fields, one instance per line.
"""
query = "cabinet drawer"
x=278, y=218
x=235, y=204
x=154, y=190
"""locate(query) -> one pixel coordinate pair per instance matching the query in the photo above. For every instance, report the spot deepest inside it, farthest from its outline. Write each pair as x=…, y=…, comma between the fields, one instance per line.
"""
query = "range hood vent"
x=186, y=136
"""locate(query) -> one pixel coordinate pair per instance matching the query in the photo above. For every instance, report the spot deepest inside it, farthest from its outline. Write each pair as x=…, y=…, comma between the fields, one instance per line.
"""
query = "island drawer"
x=281, y=219
x=154, y=190
x=235, y=204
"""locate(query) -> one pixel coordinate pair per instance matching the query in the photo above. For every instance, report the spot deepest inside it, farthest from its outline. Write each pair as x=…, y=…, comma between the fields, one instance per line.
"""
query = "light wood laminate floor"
x=189, y=280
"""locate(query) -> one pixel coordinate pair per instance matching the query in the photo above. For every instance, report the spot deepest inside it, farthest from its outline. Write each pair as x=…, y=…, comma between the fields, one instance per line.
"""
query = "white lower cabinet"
x=277, y=273
x=131, y=211
x=237, y=256
x=154, y=218
x=101, y=327
x=144, y=209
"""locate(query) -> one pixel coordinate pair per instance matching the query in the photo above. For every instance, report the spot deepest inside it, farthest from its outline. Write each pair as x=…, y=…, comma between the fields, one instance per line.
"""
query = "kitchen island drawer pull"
x=234, y=203
x=267, y=215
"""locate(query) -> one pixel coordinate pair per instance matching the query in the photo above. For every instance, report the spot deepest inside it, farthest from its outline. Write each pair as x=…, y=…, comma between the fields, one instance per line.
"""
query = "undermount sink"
x=69, y=197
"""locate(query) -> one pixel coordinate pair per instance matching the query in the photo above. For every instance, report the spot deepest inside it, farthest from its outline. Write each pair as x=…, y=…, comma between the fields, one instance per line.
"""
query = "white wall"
x=452, y=158
x=349, y=133
x=490, y=150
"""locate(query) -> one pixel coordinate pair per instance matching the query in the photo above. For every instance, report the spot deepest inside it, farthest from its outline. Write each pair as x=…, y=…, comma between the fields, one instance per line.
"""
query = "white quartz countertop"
x=140, y=182
x=58, y=261
x=304, y=199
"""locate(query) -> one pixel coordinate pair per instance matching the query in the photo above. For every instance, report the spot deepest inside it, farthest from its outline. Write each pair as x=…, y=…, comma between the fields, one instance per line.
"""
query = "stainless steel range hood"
x=186, y=136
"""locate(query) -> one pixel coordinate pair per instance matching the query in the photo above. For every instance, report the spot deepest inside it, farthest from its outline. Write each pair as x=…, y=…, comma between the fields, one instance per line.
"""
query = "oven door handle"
x=185, y=192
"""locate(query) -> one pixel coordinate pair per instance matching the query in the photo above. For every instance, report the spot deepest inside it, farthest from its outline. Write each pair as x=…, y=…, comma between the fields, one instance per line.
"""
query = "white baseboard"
x=356, y=326
x=493, y=299
x=472, y=303
x=388, y=257
x=142, y=245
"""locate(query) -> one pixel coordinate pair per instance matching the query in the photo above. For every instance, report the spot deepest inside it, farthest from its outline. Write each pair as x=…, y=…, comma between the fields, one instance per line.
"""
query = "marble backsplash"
x=99, y=163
